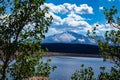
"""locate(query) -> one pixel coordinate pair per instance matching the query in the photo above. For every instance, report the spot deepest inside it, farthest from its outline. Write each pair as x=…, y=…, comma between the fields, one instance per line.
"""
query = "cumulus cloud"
x=53, y=30
x=102, y=28
x=83, y=9
x=57, y=20
x=72, y=11
x=68, y=17
x=101, y=8
x=56, y=8
x=67, y=7
x=74, y=20
x=75, y=16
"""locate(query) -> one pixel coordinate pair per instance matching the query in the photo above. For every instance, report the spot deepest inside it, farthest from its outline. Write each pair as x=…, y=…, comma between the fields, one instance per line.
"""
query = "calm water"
x=67, y=65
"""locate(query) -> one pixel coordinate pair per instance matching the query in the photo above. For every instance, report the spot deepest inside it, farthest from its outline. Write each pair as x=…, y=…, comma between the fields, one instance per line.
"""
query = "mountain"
x=71, y=42
x=69, y=37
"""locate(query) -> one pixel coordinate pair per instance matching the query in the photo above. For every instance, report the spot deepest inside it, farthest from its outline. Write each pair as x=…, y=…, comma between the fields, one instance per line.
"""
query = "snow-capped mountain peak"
x=69, y=37
x=66, y=37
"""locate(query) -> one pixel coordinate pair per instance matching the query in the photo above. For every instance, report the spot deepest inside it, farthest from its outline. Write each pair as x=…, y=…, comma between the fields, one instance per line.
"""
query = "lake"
x=67, y=65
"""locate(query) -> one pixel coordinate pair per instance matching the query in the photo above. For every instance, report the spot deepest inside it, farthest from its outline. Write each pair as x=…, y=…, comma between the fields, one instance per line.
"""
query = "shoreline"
x=49, y=54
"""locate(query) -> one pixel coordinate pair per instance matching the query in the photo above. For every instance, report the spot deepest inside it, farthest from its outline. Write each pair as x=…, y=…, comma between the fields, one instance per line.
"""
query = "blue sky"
x=79, y=15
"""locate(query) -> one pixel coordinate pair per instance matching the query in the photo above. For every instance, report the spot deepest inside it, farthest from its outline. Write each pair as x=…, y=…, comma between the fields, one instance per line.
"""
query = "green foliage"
x=22, y=27
x=83, y=74
x=114, y=74
x=23, y=67
x=43, y=69
x=110, y=49
x=88, y=74
x=111, y=17
x=27, y=66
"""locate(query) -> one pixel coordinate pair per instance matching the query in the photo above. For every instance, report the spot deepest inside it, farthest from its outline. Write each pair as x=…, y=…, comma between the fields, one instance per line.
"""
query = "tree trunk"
x=5, y=65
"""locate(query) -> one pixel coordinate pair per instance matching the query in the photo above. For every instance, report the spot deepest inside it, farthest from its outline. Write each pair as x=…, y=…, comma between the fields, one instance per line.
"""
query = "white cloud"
x=57, y=20
x=101, y=8
x=70, y=7
x=111, y=0
x=53, y=30
x=67, y=17
x=74, y=20
x=75, y=16
x=56, y=8
x=72, y=11
x=84, y=9
x=67, y=7
x=102, y=28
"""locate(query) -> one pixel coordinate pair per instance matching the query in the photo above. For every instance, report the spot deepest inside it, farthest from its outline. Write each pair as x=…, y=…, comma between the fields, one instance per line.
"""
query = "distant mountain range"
x=71, y=42
x=71, y=38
